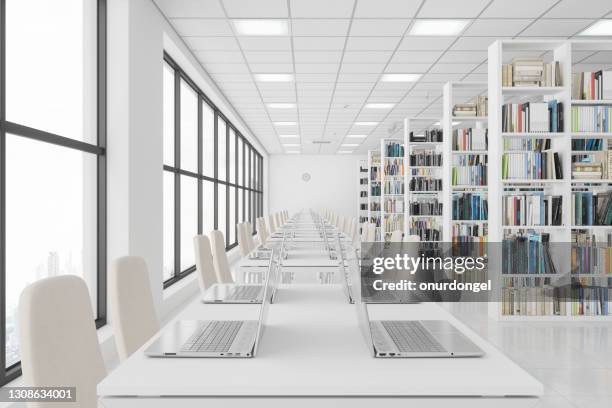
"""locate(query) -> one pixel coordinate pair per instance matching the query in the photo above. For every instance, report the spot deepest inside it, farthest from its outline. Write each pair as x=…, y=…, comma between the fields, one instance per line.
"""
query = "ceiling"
x=338, y=50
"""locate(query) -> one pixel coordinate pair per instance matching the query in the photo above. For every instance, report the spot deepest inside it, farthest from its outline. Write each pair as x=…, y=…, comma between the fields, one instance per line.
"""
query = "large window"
x=52, y=154
x=212, y=174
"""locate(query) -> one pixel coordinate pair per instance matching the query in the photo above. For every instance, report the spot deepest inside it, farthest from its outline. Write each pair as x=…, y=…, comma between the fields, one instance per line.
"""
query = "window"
x=208, y=168
x=52, y=155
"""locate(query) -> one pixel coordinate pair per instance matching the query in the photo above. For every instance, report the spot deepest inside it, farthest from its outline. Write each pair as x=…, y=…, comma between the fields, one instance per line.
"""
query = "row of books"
x=589, y=256
x=425, y=158
x=470, y=206
x=592, y=119
x=592, y=85
x=363, y=207
x=363, y=181
x=374, y=174
x=426, y=207
x=430, y=135
x=427, y=230
x=375, y=190
x=394, y=167
x=528, y=71
x=477, y=108
x=532, y=117
x=532, y=166
x=531, y=209
x=470, y=139
x=593, y=165
x=523, y=144
x=393, y=187
x=394, y=223
x=589, y=208
x=374, y=206
x=532, y=301
x=527, y=253
x=393, y=205
x=469, y=170
x=394, y=150
x=587, y=144
x=425, y=184
x=469, y=239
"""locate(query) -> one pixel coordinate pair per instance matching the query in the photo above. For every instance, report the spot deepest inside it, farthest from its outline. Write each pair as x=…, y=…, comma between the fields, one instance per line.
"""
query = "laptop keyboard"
x=245, y=292
x=410, y=336
x=214, y=337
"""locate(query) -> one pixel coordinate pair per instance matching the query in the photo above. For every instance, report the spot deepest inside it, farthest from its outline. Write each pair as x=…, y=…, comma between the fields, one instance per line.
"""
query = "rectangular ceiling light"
x=602, y=27
x=379, y=105
x=400, y=77
x=366, y=123
x=350, y=144
x=357, y=136
x=438, y=27
x=281, y=105
x=344, y=152
x=288, y=136
x=274, y=77
x=261, y=27
x=285, y=123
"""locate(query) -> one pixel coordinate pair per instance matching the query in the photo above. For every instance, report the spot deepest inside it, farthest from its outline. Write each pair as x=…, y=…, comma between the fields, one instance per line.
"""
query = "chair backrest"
x=271, y=224
x=262, y=231
x=352, y=229
x=277, y=219
x=364, y=231
x=340, y=223
x=243, y=244
x=204, y=262
x=248, y=233
x=371, y=232
x=58, y=341
x=396, y=236
x=222, y=269
x=131, y=304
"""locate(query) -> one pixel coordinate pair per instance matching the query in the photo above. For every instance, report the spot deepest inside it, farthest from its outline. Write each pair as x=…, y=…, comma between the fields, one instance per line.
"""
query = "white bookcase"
x=374, y=201
x=362, y=188
x=453, y=93
x=567, y=53
x=417, y=126
x=393, y=189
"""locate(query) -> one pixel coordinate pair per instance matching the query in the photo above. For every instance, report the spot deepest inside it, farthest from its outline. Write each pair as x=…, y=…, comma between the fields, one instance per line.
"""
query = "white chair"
x=396, y=236
x=364, y=231
x=58, y=341
x=371, y=232
x=340, y=223
x=352, y=229
x=204, y=263
x=131, y=304
x=277, y=219
x=262, y=231
x=248, y=234
x=243, y=244
x=271, y=225
x=222, y=269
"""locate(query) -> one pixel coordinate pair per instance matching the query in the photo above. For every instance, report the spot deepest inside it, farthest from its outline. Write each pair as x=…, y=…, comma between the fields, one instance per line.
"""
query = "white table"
x=313, y=347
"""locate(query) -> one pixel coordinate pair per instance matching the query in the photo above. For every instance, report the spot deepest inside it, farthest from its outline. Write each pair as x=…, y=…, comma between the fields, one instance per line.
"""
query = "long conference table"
x=313, y=352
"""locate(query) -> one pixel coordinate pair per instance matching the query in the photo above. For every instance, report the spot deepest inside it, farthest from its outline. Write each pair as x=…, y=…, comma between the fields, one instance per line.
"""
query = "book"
x=592, y=118
x=532, y=117
x=470, y=139
x=545, y=165
x=470, y=207
x=469, y=169
x=531, y=209
x=430, y=135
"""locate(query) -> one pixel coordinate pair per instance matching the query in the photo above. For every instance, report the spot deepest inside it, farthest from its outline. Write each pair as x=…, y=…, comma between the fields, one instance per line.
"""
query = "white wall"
x=333, y=184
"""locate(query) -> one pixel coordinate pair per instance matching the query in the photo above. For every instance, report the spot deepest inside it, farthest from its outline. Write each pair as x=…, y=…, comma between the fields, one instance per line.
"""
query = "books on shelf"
x=375, y=206
x=426, y=229
x=590, y=298
x=587, y=144
x=374, y=174
x=531, y=209
x=532, y=117
x=469, y=169
x=527, y=253
x=528, y=71
x=586, y=166
x=589, y=208
x=394, y=205
x=430, y=135
x=469, y=239
x=393, y=187
x=470, y=139
x=375, y=190
x=394, y=149
x=532, y=297
x=394, y=222
x=592, y=118
x=470, y=206
x=532, y=144
x=426, y=158
x=429, y=206
x=590, y=257
x=592, y=85
x=544, y=165
x=471, y=109
x=393, y=167
x=425, y=183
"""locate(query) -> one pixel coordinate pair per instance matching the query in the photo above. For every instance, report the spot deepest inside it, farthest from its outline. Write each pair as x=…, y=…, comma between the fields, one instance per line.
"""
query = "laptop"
x=241, y=293
x=213, y=338
x=408, y=338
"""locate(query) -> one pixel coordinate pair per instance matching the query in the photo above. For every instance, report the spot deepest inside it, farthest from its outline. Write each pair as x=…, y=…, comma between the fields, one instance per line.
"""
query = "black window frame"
x=99, y=149
x=241, y=186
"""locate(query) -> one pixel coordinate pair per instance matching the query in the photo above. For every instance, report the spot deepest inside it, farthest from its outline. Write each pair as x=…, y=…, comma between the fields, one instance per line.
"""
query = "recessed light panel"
x=437, y=27
x=261, y=27
x=274, y=77
x=600, y=28
x=400, y=77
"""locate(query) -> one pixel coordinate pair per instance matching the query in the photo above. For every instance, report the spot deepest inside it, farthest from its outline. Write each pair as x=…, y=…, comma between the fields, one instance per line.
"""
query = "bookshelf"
x=467, y=143
x=393, y=201
x=374, y=188
x=362, y=188
x=425, y=183
x=533, y=154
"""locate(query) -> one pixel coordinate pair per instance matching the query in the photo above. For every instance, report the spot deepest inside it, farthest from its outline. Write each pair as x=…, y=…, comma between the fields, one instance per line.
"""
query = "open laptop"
x=240, y=293
x=213, y=338
x=408, y=338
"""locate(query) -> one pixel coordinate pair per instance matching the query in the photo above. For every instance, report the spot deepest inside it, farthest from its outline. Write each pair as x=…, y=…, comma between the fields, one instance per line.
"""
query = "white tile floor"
x=572, y=359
